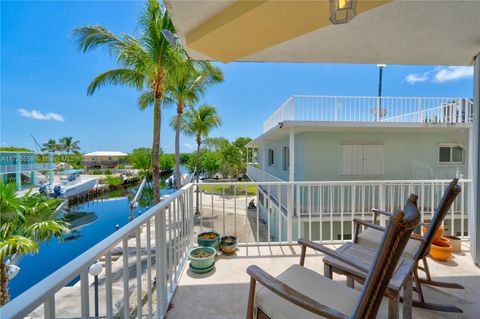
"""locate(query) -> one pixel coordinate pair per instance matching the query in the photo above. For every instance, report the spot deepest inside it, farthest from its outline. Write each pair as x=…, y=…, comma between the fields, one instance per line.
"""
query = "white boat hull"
x=78, y=188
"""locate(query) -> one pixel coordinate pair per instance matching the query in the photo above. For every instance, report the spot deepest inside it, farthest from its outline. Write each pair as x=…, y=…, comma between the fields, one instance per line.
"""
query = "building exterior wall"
x=277, y=169
x=104, y=161
x=407, y=154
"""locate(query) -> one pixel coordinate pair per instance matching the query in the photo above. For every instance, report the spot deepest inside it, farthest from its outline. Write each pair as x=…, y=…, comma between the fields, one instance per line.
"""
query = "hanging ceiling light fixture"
x=342, y=11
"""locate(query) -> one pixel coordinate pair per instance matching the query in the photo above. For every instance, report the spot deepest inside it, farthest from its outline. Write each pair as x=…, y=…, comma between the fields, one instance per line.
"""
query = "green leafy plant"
x=25, y=222
x=114, y=180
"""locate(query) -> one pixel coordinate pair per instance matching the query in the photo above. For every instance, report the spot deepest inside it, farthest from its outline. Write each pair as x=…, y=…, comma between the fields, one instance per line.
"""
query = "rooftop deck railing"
x=372, y=109
x=155, y=245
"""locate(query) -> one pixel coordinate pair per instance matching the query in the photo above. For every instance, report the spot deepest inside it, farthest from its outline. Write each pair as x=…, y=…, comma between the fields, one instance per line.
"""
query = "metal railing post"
x=379, y=99
x=84, y=304
x=420, y=115
x=49, y=308
x=381, y=197
x=293, y=108
x=161, y=264
x=290, y=208
x=336, y=108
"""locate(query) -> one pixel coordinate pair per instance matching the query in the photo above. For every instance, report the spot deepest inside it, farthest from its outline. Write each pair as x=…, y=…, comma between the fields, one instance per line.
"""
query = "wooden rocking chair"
x=300, y=293
x=417, y=247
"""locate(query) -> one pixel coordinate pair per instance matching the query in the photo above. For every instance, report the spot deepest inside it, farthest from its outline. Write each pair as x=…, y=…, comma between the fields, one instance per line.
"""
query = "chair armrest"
x=367, y=224
x=417, y=237
x=334, y=254
x=292, y=295
x=381, y=228
x=379, y=211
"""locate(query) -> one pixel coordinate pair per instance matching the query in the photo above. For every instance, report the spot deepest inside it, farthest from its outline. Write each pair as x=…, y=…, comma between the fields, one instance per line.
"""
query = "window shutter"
x=361, y=160
x=373, y=160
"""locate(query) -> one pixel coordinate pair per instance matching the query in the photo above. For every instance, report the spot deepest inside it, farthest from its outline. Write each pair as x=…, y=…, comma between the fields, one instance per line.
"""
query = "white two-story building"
x=349, y=154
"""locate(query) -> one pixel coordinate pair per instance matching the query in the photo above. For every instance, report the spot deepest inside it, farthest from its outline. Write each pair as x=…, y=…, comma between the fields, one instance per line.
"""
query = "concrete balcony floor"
x=223, y=292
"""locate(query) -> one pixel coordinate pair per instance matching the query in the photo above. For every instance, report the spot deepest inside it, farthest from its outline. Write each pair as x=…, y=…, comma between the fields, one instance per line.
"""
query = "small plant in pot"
x=209, y=239
x=202, y=259
x=228, y=244
x=456, y=243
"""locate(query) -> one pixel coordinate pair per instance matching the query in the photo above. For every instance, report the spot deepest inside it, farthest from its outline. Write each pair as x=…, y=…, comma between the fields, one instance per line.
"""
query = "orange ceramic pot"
x=441, y=250
x=438, y=233
x=443, y=240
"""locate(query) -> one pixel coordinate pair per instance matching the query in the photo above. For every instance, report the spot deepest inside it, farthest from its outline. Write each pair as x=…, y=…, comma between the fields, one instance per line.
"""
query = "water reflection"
x=90, y=222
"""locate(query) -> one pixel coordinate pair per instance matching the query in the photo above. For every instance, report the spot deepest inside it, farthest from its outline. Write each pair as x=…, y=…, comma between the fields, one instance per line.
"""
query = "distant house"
x=23, y=169
x=104, y=159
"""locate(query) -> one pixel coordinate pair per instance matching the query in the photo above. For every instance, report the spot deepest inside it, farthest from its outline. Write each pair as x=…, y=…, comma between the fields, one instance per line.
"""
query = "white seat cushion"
x=371, y=237
x=326, y=291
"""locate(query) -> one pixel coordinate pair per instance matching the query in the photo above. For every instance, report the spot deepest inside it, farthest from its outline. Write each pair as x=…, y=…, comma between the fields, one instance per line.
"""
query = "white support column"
x=291, y=178
x=474, y=218
x=291, y=155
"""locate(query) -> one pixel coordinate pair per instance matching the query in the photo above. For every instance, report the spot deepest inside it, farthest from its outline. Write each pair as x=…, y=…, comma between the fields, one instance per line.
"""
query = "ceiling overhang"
x=438, y=32
x=283, y=131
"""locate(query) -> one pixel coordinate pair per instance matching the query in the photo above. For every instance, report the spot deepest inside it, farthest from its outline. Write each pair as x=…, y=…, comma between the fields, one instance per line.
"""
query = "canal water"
x=90, y=223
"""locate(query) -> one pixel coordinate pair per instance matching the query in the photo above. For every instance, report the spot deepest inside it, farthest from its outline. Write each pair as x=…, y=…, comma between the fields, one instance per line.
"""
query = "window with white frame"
x=286, y=158
x=271, y=157
x=450, y=154
x=361, y=160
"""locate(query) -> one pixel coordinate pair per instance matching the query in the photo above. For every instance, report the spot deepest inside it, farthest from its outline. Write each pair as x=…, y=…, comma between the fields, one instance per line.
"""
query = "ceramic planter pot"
x=441, y=250
x=228, y=244
x=438, y=233
x=455, y=242
x=202, y=257
x=209, y=239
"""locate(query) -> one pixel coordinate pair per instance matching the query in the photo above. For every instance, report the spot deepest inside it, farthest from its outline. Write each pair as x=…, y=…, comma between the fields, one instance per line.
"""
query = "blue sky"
x=44, y=80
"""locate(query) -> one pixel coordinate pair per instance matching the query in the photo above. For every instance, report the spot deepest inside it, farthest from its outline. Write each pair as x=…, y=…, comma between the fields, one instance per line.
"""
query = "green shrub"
x=114, y=180
x=121, y=166
x=107, y=172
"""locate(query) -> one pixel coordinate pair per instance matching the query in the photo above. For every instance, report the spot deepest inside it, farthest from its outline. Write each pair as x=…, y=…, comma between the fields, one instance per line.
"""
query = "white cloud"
x=415, y=77
x=37, y=115
x=188, y=146
x=452, y=73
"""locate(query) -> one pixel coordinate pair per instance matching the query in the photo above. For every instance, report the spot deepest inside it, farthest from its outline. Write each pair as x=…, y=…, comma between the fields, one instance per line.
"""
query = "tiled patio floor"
x=223, y=292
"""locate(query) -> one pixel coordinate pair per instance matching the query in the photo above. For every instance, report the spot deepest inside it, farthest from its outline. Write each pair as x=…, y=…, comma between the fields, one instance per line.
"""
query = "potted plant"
x=209, y=239
x=456, y=243
x=438, y=233
x=202, y=259
x=228, y=244
x=441, y=250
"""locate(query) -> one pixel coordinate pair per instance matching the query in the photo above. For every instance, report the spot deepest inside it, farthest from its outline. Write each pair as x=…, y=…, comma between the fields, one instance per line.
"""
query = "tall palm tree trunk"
x=157, y=119
x=178, y=181
x=197, y=176
x=4, y=297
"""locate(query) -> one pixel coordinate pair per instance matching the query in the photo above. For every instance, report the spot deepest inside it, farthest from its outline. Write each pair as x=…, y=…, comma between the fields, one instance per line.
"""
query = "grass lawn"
x=251, y=189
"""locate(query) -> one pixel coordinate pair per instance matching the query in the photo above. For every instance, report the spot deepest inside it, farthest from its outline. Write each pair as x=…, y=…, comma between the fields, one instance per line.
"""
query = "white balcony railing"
x=155, y=245
x=12, y=168
x=279, y=193
x=372, y=109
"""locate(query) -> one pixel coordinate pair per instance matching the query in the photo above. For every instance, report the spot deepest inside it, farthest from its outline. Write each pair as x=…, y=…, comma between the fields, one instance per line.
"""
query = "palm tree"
x=199, y=122
x=24, y=222
x=144, y=64
x=69, y=145
x=51, y=146
x=184, y=87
